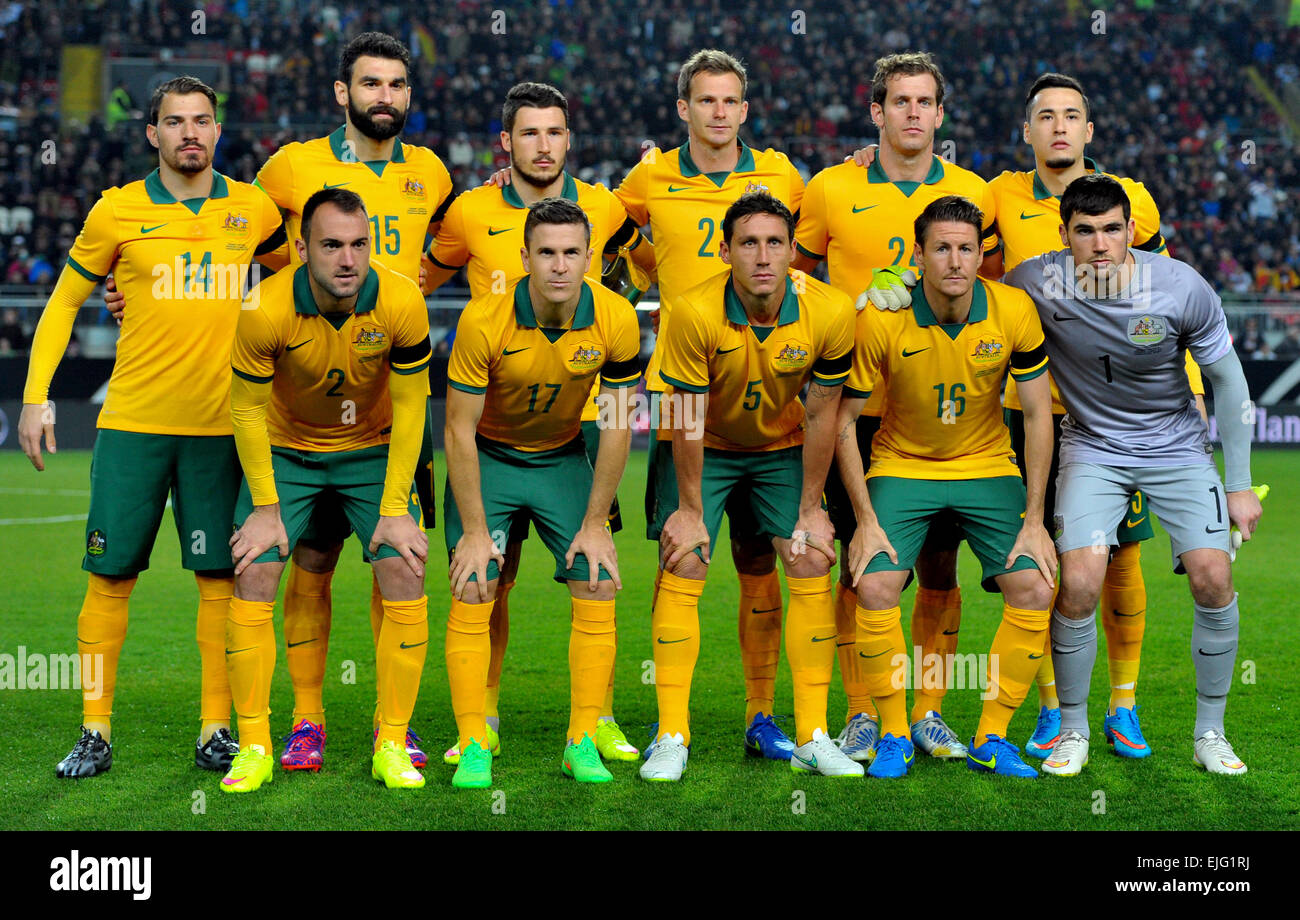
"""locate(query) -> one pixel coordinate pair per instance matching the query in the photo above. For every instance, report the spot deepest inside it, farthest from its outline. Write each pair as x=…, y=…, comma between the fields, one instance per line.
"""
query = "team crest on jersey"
x=756, y=187
x=413, y=188
x=369, y=339
x=585, y=358
x=235, y=224
x=1147, y=329
x=793, y=357
x=987, y=350
x=96, y=543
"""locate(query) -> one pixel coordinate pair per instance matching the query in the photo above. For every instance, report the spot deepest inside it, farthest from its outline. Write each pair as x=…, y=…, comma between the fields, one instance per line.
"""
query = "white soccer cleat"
x=932, y=736
x=858, y=740
x=666, y=759
x=1069, y=756
x=820, y=755
x=1214, y=754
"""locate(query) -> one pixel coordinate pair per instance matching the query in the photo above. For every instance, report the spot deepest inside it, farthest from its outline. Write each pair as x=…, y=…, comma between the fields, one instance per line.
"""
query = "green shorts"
x=550, y=488
x=347, y=482
x=131, y=476
x=759, y=490
x=591, y=440
x=990, y=512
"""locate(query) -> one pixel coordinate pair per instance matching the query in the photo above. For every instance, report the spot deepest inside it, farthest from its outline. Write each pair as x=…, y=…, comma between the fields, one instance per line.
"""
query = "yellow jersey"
x=182, y=266
x=535, y=380
x=943, y=419
x=329, y=375
x=402, y=195
x=753, y=374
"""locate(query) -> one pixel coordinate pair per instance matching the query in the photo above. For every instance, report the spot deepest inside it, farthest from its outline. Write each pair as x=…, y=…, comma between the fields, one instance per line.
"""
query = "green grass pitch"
x=154, y=784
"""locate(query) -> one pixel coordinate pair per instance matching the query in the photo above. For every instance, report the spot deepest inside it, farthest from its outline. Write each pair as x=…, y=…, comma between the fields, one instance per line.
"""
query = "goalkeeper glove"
x=890, y=289
x=1235, y=539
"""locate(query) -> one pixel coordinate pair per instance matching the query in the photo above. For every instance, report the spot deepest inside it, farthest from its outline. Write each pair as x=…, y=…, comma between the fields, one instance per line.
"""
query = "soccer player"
x=1117, y=321
x=406, y=190
x=858, y=220
x=483, y=232
x=683, y=194
x=521, y=371
x=737, y=351
x=329, y=358
x=950, y=455
x=180, y=243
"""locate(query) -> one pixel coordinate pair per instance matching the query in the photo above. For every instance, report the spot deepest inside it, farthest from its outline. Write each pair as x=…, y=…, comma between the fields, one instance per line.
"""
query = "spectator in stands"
x=1289, y=348
x=13, y=340
x=1250, y=344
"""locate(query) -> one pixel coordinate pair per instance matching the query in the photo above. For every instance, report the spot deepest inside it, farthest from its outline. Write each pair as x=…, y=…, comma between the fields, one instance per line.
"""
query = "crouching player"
x=327, y=345
x=942, y=448
x=521, y=372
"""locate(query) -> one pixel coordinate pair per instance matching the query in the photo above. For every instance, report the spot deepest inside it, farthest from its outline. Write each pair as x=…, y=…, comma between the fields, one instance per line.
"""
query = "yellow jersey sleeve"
x=276, y=178
x=450, y=249
x=686, y=345
x=95, y=249
x=869, y=343
x=812, y=235
x=53, y=332
x=258, y=342
x=622, y=367
x=989, y=205
x=796, y=188
x=634, y=191
x=470, y=364
x=1194, y=375
x=410, y=350
x=248, y=408
x=832, y=368
x=1146, y=218
x=1028, y=350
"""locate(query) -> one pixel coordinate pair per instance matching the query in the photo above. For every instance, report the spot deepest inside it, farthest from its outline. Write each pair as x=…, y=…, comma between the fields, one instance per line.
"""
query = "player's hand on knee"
x=261, y=530
x=813, y=531
x=403, y=534
x=1033, y=541
x=864, y=156
x=595, y=543
x=114, y=300
x=471, y=556
x=35, y=422
x=500, y=178
x=890, y=289
x=868, y=541
x=682, y=533
x=1244, y=510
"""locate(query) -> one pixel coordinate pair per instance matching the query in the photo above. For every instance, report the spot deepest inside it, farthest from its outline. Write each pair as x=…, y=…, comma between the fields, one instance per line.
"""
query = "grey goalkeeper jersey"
x=1119, y=362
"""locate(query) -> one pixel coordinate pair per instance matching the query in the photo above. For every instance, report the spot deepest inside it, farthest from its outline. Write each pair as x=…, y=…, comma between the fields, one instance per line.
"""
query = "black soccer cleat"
x=218, y=753
x=91, y=755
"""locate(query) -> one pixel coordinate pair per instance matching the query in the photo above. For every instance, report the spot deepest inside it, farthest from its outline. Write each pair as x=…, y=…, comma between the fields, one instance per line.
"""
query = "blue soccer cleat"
x=1125, y=734
x=893, y=757
x=1046, y=733
x=998, y=755
x=764, y=739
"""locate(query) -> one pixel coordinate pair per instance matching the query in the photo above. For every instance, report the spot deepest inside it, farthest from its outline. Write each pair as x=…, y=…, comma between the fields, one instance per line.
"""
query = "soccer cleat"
x=666, y=759
x=1000, y=756
x=304, y=747
x=218, y=753
x=582, y=762
x=1214, y=754
x=612, y=743
x=392, y=765
x=419, y=759
x=89, y=756
x=1124, y=732
x=474, y=770
x=1046, y=733
x=893, y=757
x=452, y=754
x=764, y=739
x=1069, y=756
x=933, y=736
x=858, y=740
x=250, y=768
x=820, y=755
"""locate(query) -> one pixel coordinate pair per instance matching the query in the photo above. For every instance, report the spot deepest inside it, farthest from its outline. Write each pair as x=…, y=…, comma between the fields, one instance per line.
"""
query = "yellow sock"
x=1011, y=670
x=846, y=641
x=468, y=650
x=591, y=656
x=1124, y=617
x=250, y=657
x=879, y=647
x=760, y=640
x=809, y=638
x=210, y=631
x=403, y=642
x=307, y=613
x=936, y=618
x=499, y=630
x=607, y=708
x=101, y=630
x=675, y=628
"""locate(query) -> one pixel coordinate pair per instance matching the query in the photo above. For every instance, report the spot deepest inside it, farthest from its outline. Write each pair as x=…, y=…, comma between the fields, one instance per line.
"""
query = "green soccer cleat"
x=250, y=768
x=393, y=766
x=582, y=762
x=452, y=754
x=612, y=743
x=475, y=768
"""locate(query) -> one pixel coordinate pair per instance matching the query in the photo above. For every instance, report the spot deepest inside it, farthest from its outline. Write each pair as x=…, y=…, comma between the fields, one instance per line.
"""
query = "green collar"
x=583, y=316
x=343, y=155
x=924, y=313
x=688, y=168
x=570, y=191
x=158, y=193
x=305, y=303
x=789, y=312
x=1040, y=190
x=876, y=174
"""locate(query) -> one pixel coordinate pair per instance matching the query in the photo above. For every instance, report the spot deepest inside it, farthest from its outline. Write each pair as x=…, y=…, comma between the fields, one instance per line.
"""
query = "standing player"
x=683, y=195
x=180, y=243
x=406, y=190
x=327, y=363
x=858, y=220
x=1117, y=321
x=521, y=371
x=950, y=456
x=483, y=232
x=737, y=351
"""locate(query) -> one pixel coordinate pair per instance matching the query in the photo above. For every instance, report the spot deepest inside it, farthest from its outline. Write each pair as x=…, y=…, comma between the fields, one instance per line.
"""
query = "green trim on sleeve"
x=808, y=252
x=849, y=393
x=252, y=378
x=465, y=387
x=681, y=385
x=84, y=272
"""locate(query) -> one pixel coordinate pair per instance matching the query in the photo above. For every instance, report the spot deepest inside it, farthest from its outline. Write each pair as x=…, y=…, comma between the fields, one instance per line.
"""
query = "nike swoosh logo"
x=1220, y=530
x=824, y=638
x=951, y=632
x=339, y=185
x=858, y=210
x=88, y=642
x=299, y=345
x=877, y=655
x=144, y=229
x=677, y=188
x=515, y=351
x=492, y=232
x=671, y=641
x=1213, y=654
x=236, y=651
x=1057, y=651
x=1138, y=614
x=908, y=354
x=1061, y=319
x=991, y=763
x=727, y=351
x=755, y=610
x=296, y=644
x=1024, y=216
x=1137, y=522
x=1035, y=657
x=842, y=644
x=413, y=645
x=811, y=763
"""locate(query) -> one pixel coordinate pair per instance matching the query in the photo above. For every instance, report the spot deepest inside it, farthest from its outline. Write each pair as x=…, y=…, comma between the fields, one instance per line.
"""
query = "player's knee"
x=811, y=564
x=689, y=566
x=316, y=558
x=937, y=570
x=604, y=590
x=259, y=582
x=877, y=592
x=753, y=557
x=396, y=580
x=1026, y=590
x=1210, y=579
